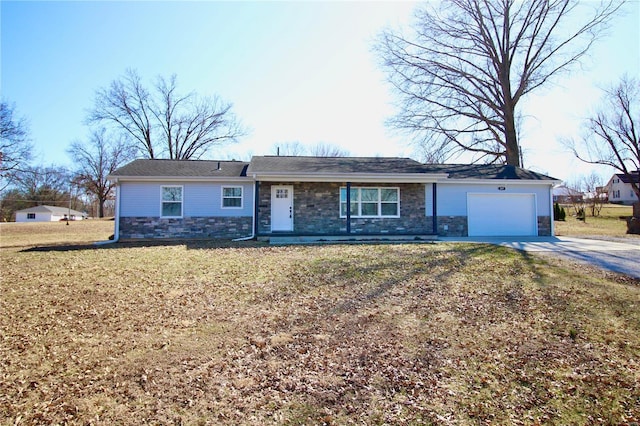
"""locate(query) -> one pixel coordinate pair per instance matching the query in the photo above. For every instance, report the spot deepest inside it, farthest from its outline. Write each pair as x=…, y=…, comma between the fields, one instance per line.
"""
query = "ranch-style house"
x=319, y=197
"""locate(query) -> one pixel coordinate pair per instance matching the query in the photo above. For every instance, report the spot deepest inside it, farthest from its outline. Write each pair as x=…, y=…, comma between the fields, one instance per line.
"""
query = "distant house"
x=47, y=214
x=271, y=196
x=565, y=195
x=602, y=193
x=620, y=189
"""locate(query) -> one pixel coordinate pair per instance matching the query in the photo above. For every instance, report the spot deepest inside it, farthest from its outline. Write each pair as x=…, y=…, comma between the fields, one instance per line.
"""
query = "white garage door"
x=502, y=215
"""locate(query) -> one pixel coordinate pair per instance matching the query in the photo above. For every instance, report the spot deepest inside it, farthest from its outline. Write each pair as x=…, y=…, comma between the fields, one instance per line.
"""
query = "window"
x=371, y=202
x=31, y=216
x=616, y=194
x=232, y=197
x=171, y=201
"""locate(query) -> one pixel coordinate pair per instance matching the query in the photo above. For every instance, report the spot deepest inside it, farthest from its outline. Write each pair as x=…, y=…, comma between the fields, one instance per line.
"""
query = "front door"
x=281, y=208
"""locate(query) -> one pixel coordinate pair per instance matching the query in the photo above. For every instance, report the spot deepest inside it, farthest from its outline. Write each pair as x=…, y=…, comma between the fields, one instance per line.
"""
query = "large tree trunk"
x=633, y=223
x=101, y=208
x=511, y=140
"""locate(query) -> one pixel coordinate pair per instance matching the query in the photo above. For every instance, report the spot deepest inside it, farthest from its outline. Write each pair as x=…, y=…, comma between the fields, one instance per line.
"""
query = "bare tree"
x=126, y=104
x=297, y=149
x=328, y=150
x=44, y=185
x=611, y=136
x=587, y=192
x=593, y=188
x=95, y=160
x=15, y=147
x=294, y=148
x=461, y=74
x=163, y=122
x=40, y=185
x=10, y=202
x=576, y=197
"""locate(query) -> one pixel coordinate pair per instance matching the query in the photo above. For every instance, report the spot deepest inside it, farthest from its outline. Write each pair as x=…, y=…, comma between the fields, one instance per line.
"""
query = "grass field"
x=607, y=224
x=54, y=233
x=344, y=334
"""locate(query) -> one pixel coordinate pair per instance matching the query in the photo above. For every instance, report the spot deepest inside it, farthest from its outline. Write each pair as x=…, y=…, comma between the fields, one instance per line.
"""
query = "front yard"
x=341, y=334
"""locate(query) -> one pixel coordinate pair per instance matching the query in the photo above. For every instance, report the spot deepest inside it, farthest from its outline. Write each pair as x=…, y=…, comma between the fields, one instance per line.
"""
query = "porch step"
x=347, y=239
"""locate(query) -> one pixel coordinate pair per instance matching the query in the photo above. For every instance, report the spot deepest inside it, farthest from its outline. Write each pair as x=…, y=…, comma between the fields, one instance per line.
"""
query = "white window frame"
x=31, y=216
x=241, y=197
x=162, y=201
x=379, y=202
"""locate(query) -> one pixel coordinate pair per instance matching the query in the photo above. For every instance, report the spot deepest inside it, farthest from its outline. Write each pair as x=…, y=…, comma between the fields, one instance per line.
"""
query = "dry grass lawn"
x=607, y=224
x=14, y=234
x=341, y=334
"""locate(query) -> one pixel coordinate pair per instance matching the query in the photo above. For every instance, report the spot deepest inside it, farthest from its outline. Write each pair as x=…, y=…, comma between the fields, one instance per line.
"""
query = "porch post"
x=348, y=207
x=256, y=204
x=434, y=218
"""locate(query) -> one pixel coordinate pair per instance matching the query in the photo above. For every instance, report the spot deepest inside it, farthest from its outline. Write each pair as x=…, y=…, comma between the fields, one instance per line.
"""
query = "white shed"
x=47, y=214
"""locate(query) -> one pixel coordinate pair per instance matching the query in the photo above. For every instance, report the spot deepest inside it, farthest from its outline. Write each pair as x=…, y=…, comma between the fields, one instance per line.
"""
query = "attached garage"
x=492, y=215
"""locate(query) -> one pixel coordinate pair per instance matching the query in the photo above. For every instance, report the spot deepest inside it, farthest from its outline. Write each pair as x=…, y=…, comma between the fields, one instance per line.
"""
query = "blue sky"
x=295, y=71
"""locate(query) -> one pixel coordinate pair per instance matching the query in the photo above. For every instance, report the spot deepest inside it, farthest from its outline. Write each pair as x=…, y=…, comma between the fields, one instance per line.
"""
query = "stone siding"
x=458, y=226
x=544, y=226
x=453, y=226
x=187, y=228
x=316, y=207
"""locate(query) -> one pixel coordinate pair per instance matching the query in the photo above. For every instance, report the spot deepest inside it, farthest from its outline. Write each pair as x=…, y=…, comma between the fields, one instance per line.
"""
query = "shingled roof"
x=633, y=177
x=382, y=165
x=318, y=166
x=182, y=168
x=58, y=211
x=340, y=165
x=485, y=171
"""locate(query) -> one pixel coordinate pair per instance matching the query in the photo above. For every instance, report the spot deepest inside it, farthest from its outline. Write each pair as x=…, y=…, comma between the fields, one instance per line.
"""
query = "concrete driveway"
x=619, y=255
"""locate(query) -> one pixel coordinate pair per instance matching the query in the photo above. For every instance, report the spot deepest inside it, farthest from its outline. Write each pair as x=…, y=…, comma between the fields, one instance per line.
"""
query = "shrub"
x=559, y=213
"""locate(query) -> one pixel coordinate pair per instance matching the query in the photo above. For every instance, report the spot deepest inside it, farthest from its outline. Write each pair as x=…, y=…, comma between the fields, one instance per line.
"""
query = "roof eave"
x=479, y=181
x=177, y=178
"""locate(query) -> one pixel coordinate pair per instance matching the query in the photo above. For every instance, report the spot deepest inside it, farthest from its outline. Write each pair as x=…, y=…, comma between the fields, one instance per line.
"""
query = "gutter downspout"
x=253, y=217
x=116, y=219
